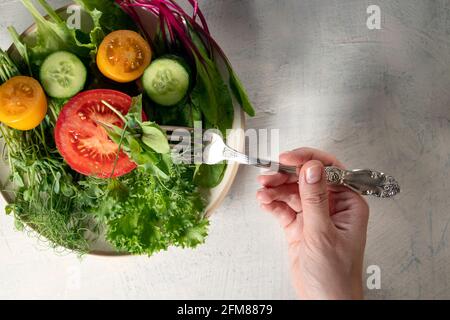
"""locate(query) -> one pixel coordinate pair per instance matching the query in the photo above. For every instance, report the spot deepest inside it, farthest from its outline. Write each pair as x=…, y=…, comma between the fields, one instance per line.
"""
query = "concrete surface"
x=375, y=98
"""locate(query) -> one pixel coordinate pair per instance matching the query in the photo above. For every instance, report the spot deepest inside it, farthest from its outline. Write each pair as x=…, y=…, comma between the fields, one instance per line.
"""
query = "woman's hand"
x=325, y=227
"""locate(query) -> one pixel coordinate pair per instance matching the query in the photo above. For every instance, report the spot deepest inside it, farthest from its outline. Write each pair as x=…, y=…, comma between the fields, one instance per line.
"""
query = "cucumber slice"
x=166, y=80
x=62, y=75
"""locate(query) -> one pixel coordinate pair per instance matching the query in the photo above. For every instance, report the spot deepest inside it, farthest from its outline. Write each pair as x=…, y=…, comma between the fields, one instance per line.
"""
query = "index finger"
x=300, y=156
x=277, y=179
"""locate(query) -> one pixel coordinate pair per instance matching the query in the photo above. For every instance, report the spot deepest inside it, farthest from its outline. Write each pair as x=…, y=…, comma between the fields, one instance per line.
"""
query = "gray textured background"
x=377, y=99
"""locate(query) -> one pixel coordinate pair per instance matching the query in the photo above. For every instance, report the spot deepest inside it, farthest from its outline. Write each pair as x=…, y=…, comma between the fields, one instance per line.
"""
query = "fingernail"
x=313, y=174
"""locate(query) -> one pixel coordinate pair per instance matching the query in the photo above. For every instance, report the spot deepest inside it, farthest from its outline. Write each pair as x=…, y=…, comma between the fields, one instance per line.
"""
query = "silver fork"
x=362, y=181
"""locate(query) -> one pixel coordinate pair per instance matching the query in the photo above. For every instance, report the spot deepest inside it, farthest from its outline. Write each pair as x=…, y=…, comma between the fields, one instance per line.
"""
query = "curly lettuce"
x=144, y=215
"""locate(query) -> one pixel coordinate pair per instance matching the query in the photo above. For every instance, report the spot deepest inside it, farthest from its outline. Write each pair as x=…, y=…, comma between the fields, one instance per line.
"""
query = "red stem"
x=171, y=14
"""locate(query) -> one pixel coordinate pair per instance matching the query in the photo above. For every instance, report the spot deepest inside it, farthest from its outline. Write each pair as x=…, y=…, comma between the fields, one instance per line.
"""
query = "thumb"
x=314, y=198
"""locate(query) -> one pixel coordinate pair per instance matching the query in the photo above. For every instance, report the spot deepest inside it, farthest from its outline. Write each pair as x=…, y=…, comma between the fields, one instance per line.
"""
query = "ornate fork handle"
x=365, y=182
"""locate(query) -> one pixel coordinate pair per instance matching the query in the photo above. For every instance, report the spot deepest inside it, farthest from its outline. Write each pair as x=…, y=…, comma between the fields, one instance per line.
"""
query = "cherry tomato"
x=123, y=56
x=23, y=104
x=82, y=140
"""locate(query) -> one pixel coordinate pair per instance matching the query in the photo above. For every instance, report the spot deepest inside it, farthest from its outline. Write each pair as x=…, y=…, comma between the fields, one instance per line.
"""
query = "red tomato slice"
x=84, y=143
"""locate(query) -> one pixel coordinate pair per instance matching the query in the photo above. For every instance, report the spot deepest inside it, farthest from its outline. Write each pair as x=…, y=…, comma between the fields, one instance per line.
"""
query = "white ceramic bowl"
x=215, y=195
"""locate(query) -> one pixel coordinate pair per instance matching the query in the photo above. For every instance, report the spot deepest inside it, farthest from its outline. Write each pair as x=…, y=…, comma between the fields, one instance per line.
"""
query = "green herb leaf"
x=235, y=84
x=56, y=185
x=203, y=96
x=209, y=176
x=240, y=94
x=8, y=68
x=154, y=137
x=17, y=180
x=136, y=108
x=225, y=105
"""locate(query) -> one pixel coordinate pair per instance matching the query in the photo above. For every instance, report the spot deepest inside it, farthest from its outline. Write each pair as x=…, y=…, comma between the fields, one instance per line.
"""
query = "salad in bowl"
x=84, y=108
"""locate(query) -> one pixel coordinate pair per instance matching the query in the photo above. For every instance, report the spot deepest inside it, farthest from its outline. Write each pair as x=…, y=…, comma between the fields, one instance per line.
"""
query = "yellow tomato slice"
x=123, y=56
x=23, y=104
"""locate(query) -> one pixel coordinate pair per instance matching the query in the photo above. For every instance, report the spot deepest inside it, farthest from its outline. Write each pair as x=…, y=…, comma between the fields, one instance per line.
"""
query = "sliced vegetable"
x=123, y=56
x=62, y=75
x=38, y=178
x=166, y=80
x=189, y=35
x=82, y=140
x=190, y=32
x=23, y=104
x=149, y=209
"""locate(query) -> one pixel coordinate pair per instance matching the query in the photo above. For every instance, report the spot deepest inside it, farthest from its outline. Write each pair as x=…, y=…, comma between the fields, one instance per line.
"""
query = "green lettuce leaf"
x=155, y=216
x=22, y=50
x=112, y=17
x=53, y=34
